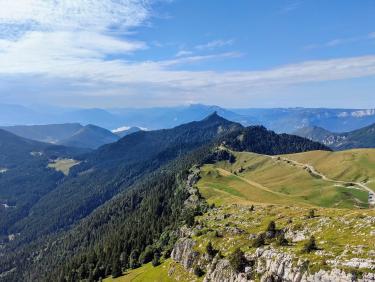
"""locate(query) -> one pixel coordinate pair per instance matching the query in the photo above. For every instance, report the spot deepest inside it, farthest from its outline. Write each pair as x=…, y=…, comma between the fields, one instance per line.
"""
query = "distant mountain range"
x=69, y=134
x=360, y=138
x=124, y=131
x=281, y=120
x=90, y=136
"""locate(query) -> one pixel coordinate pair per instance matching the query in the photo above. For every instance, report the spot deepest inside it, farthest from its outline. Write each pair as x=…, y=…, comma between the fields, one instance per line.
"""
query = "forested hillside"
x=25, y=177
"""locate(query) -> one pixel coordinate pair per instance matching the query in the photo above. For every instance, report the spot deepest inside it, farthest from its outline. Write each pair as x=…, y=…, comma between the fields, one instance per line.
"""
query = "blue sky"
x=243, y=53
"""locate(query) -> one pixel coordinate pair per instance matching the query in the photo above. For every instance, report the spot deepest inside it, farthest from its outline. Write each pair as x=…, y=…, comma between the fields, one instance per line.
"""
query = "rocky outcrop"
x=223, y=271
x=184, y=253
x=194, y=200
x=267, y=265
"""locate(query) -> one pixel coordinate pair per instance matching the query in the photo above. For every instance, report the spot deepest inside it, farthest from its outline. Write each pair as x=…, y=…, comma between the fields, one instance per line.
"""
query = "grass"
x=63, y=165
x=157, y=274
x=339, y=233
x=351, y=165
x=257, y=178
x=285, y=193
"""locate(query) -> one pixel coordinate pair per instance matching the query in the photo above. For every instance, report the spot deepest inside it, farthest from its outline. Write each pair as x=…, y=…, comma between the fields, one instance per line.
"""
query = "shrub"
x=210, y=250
x=156, y=260
x=147, y=255
x=310, y=245
x=281, y=240
x=271, y=227
x=133, y=259
x=259, y=241
x=237, y=260
x=311, y=213
x=198, y=271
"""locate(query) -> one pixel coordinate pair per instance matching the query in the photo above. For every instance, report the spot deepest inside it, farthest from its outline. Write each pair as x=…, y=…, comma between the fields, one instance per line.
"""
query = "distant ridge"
x=69, y=134
x=361, y=138
x=90, y=136
x=125, y=132
x=50, y=133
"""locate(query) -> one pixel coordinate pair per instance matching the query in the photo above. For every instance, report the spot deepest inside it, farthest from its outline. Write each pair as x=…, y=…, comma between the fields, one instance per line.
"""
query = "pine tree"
x=116, y=268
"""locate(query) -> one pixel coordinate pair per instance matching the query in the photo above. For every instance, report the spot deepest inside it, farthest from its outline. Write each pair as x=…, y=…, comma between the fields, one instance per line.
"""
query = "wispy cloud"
x=183, y=53
x=290, y=6
x=214, y=44
x=341, y=41
x=199, y=58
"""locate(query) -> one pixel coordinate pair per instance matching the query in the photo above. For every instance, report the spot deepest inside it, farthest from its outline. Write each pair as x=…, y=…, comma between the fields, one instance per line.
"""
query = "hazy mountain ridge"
x=50, y=133
x=90, y=136
x=69, y=134
x=124, y=131
x=361, y=138
x=280, y=120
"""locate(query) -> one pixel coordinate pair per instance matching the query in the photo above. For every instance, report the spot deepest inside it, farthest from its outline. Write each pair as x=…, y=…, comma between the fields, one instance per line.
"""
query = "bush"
x=259, y=241
x=237, y=260
x=281, y=240
x=156, y=260
x=198, y=271
x=133, y=259
x=271, y=227
x=147, y=255
x=311, y=213
x=310, y=245
x=210, y=250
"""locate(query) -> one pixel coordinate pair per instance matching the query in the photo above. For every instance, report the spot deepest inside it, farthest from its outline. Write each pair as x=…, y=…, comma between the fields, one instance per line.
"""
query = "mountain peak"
x=214, y=117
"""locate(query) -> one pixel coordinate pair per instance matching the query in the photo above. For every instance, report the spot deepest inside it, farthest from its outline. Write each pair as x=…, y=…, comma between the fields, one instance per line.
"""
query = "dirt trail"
x=253, y=183
x=310, y=169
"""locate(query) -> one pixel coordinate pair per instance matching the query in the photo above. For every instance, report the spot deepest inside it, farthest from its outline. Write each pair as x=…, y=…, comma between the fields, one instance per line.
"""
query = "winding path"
x=310, y=169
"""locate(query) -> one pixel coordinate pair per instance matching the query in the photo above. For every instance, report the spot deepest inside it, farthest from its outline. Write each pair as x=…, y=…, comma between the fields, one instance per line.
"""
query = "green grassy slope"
x=351, y=165
x=262, y=179
x=168, y=271
x=282, y=192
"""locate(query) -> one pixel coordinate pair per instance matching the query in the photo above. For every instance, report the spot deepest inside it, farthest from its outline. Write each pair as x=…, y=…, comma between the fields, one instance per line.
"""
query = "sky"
x=145, y=53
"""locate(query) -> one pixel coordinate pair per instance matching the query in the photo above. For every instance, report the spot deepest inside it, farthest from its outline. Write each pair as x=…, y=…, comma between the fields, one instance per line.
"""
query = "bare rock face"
x=267, y=264
x=184, y=253
x=276, y=266
x=222, y=271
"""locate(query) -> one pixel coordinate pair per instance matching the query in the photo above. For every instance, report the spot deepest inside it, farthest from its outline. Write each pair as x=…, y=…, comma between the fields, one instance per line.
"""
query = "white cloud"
x=341, y=41
x=48, y=36
x=214, y=44
x=50, y=15
x=183, y=53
